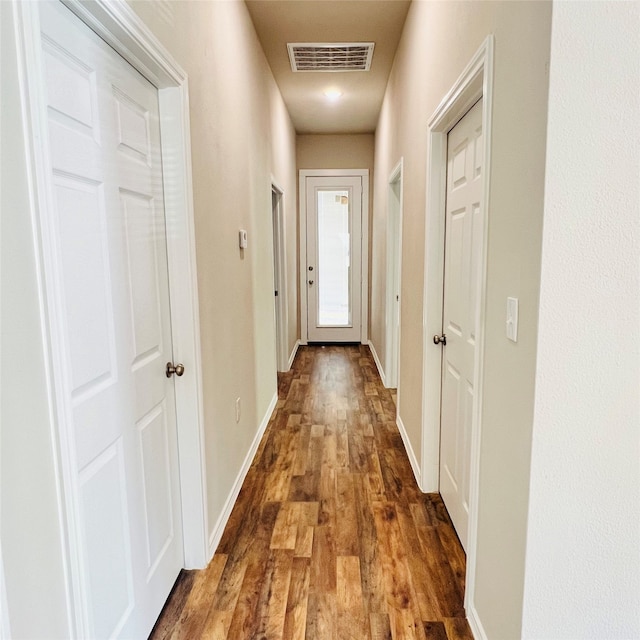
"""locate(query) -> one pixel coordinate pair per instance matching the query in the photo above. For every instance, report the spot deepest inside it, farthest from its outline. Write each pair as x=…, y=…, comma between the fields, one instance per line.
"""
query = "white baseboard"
x=374, y=353
x=292, y=357
x=477, y=629
x=218, y=529
x=5, y=627
x=410, y=452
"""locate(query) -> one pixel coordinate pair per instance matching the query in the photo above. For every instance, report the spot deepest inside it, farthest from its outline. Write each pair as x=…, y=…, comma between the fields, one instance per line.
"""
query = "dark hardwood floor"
x=330, y=537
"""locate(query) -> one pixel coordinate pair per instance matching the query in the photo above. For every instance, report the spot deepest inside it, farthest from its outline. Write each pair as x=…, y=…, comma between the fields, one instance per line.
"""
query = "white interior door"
x=111, y=275
x=463, y=242
x=394, y=255
x=334, y=258
x=279, y=279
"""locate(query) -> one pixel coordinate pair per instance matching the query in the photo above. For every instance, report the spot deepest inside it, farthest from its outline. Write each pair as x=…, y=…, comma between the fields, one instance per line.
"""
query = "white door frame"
x=475, y=82
x=119, y=26
x=280, y=262
x=364, y=247
x=394, y=273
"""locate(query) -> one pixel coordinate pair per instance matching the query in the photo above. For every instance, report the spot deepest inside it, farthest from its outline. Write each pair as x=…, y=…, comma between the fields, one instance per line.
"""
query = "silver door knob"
x=170, y=370
x=310, y=281
x=440, y=339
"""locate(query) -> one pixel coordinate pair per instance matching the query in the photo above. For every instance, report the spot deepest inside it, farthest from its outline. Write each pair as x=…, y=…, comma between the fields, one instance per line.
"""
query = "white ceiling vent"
x=330, y=56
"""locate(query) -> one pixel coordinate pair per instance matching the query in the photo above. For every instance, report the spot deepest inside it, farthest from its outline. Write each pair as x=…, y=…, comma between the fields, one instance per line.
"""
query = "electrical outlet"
x=237, y=410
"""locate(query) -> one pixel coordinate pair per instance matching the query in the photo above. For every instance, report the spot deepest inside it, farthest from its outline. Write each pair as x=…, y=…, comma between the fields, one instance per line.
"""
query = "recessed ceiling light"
x=333, y=95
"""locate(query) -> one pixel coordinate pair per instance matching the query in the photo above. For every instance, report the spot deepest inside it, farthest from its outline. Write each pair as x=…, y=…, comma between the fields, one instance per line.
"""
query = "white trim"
x=392, y=368
x=5, y=626
x=119, y=26
x=185, y=322
x=280, y=258
x=374, y=353
x=294, y=352
x=364, y=249
x=475, y=82
x=364, y=300
x=475, y=625
x=409, y=449
x=223, y=518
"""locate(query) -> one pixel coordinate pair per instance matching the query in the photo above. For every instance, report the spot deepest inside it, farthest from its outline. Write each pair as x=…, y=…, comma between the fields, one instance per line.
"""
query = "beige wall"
x=339, y=151
x=438, y=41
x=335, y=151
x=241, y=136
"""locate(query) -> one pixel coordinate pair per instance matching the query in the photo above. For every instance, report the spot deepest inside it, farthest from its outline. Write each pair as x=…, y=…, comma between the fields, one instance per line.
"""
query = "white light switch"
x=242, y=237
x=512, y=319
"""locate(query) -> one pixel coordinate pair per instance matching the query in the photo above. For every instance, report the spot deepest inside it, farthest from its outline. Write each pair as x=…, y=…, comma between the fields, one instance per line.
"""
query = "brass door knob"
x=440, y=339
x=170, y=370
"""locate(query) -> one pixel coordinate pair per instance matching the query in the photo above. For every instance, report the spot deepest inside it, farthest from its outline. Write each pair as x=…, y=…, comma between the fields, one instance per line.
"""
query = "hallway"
x=330, y=536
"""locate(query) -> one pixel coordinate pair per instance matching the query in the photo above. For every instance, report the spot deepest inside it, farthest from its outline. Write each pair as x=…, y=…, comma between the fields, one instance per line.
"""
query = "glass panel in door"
x=334, y=255
x=333, y=282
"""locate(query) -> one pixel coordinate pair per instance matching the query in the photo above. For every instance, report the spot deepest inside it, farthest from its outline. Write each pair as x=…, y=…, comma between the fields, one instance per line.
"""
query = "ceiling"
x=278, y=22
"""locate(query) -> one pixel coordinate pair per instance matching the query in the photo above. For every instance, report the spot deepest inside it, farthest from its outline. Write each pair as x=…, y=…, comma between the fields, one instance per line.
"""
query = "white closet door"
x=111, y=267
x=463, y=242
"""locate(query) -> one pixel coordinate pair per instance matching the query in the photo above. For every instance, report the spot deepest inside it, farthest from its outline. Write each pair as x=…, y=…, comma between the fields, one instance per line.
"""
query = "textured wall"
x=583, y=549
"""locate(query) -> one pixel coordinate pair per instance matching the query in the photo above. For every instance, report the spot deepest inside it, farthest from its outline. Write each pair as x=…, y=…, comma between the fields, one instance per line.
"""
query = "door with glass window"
x=334, y=262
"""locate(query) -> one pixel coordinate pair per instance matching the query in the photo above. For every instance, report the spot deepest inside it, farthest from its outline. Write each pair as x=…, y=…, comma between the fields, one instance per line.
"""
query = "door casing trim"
x=122, y=29
x=475, y=82
x=364, y=247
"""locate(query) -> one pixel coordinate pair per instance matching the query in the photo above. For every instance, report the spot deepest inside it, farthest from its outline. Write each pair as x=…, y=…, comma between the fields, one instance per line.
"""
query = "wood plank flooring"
x=330, y=537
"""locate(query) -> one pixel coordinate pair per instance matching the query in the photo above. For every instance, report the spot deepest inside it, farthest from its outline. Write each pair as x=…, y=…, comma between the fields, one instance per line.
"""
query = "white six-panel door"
x=111, y=267
x=463, y=243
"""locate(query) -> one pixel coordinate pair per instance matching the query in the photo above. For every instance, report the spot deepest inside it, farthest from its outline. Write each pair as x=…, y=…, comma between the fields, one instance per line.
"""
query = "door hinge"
x=276, y=293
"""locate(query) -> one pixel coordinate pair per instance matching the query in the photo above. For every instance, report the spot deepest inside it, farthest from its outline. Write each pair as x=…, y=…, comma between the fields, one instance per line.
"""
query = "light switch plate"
x=512, y=319
x=242, y=237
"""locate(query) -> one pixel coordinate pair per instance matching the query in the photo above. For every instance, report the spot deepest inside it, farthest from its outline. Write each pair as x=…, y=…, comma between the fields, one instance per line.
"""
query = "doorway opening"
x=279, y=276
x=457, y=338
x=138, y=507
x=334, y=255
x=475, y=83
x=394, y=272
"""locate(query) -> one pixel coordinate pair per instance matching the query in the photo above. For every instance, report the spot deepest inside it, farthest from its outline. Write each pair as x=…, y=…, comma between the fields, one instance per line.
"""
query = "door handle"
x=440, y=339
x=178, y=369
